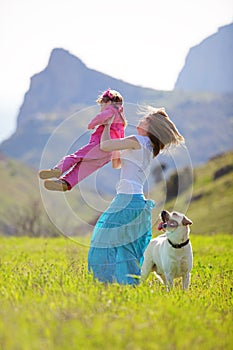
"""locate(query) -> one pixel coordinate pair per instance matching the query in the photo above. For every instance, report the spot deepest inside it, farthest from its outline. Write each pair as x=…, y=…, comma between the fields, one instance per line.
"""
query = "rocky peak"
x=64, y=60
x=208, y=66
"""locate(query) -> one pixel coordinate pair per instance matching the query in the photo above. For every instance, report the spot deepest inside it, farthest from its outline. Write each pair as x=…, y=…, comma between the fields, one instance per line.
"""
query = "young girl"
x=89, y=158
x=123, y=231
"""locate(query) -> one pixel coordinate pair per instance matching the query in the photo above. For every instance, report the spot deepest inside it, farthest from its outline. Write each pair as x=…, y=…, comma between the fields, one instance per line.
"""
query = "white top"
x=135, y=167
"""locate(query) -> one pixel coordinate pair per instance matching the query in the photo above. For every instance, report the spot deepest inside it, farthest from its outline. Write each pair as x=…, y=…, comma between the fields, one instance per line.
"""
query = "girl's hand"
x=90, y=127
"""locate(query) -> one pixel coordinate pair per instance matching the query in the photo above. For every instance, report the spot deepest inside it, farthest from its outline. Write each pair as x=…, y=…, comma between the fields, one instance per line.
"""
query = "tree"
x=29, y=221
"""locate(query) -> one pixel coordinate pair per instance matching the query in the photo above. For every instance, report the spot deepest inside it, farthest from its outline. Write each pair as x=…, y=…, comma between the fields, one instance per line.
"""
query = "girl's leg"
x=78, y=166
x=68, y=162
x=83, y=169
x=88, y=152
x=65, y=164
x=76, y=174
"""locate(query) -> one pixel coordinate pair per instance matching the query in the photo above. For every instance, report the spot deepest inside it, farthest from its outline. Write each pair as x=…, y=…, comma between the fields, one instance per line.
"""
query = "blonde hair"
x=161, y=130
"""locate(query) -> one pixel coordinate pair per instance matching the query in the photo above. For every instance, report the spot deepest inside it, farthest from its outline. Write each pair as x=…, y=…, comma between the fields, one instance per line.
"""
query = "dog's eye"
x=172, y=223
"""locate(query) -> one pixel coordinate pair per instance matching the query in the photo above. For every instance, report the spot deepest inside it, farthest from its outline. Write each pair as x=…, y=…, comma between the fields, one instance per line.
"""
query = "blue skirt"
x=120, y=238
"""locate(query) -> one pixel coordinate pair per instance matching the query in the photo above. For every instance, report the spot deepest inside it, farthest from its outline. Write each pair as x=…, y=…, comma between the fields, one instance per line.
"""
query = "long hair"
x=161, y=130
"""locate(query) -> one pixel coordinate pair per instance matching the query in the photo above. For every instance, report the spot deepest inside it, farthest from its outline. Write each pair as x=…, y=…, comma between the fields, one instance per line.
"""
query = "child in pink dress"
x=75, y=167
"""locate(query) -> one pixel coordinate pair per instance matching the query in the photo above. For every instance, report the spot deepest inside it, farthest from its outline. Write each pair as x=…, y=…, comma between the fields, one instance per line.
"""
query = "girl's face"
x=104, y=105
x=142, y=127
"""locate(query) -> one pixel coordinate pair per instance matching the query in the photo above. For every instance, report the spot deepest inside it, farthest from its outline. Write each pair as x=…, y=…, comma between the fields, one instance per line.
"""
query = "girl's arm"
x=100, y=118
x=108, y=145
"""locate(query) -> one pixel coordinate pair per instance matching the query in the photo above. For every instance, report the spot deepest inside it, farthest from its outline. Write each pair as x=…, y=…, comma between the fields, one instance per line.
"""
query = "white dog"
x=170, y=254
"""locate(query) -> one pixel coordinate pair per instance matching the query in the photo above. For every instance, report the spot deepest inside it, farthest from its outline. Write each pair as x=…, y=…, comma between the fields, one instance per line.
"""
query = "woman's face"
x=142, y=127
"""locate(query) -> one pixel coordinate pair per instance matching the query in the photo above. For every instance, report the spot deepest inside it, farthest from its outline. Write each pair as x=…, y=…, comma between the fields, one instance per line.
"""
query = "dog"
x=170, y=255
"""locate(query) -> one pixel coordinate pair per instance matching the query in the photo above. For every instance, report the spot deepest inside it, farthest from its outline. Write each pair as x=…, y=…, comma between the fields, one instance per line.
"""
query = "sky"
x=143, y=42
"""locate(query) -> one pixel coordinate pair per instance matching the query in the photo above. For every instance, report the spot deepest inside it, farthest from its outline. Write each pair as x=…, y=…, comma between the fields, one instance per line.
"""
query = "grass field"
x=49, y=301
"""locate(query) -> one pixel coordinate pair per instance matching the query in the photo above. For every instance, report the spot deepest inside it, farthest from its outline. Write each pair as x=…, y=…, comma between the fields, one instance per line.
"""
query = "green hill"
x=19, y=195
x=212, y=200
x=211, y=204
x=23, y=210
x=210, y=207
x=18, y=183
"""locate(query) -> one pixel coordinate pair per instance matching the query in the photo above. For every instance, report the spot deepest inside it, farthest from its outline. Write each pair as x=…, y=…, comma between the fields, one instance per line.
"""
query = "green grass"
x=49, y=301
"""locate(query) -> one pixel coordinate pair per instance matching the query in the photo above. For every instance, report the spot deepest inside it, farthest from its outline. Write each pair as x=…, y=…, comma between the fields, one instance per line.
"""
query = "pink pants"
x=83, y=162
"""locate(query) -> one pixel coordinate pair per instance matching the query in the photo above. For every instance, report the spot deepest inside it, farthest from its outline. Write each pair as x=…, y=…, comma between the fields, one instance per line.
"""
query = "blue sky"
x=141, y=42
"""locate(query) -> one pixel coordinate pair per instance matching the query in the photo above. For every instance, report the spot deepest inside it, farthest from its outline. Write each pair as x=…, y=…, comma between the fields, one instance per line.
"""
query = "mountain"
x=66, y=85
x=67, y=81
x=61, y=99
x=208, y=65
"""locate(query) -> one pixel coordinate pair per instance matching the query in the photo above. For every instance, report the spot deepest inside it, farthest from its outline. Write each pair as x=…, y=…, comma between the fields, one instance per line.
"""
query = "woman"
x=123, y=231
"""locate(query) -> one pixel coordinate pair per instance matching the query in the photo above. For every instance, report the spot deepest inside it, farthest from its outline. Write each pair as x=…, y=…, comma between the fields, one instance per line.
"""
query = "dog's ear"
x=165, y=215
x=186, y=221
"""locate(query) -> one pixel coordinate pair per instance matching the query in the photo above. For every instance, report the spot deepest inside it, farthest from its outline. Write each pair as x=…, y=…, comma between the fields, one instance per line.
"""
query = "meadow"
x=49, y=301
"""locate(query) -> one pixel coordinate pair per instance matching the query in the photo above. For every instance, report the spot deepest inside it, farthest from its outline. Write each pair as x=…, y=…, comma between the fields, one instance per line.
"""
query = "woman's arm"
x=108, y=145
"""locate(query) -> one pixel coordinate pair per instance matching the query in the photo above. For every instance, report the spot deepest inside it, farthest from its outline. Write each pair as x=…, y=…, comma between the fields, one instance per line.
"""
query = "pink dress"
x=89, y=158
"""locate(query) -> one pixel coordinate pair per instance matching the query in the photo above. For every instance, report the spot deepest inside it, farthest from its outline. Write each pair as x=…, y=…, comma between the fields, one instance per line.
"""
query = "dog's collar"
x=178, y=245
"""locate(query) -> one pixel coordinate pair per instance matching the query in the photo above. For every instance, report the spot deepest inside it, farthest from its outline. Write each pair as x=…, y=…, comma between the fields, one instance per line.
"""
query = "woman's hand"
x=116, y=160
x=108, y=145
x=109, y=121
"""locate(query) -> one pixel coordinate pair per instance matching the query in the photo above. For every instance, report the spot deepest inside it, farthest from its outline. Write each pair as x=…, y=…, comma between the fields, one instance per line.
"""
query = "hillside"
x=19, y=183
x=210, y=206
x=212, y=200
x=27, y=209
